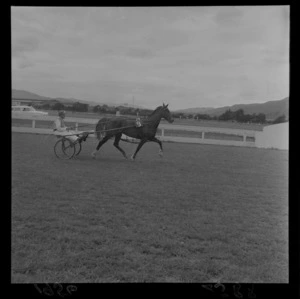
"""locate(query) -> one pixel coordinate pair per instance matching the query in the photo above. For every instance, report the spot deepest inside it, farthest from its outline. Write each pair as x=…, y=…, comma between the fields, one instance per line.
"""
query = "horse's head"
x=166, y=114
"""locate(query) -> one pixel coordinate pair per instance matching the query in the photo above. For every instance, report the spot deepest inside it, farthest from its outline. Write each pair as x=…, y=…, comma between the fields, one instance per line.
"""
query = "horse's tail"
x=100, y=128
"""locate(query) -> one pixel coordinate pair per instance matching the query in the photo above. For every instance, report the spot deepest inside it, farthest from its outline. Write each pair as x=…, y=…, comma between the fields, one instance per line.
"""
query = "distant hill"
x=271, y=109
x=64, y=100
x=204, y=110
x=23, y=94
x=73, y=100
x=26, y=95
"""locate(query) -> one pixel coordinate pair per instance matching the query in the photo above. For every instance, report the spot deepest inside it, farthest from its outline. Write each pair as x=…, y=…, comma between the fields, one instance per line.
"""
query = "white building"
x=274, y=136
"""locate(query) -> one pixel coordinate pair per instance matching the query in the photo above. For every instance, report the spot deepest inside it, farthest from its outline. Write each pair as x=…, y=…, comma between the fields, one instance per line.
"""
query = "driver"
x=60, y=129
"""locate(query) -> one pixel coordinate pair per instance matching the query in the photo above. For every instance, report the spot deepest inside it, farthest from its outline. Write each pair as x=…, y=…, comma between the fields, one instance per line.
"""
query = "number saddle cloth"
x=138, y=122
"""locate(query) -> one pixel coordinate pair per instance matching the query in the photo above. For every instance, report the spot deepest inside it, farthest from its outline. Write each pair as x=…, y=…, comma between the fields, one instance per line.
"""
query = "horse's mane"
x=156, y=109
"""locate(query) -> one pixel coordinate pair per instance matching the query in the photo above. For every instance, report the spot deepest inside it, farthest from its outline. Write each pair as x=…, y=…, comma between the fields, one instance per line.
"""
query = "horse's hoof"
x=93, y=154
x=161, y=154
x=132, y=158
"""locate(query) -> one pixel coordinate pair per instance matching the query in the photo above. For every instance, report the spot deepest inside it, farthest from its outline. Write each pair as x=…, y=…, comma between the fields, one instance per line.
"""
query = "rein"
x=145, y=121
x=91, y=132
x=102, y=123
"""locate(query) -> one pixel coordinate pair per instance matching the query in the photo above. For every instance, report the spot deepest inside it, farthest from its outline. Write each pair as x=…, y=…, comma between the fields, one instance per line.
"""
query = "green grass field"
x=202, y=213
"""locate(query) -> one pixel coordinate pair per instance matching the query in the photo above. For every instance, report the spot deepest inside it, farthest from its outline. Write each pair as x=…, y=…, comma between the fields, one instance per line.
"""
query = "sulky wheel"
x=77, y=148
x=64, y=149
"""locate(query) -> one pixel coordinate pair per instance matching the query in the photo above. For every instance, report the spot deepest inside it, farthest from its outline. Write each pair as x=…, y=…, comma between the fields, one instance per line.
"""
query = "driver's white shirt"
x=60, y=125
x=61, y=130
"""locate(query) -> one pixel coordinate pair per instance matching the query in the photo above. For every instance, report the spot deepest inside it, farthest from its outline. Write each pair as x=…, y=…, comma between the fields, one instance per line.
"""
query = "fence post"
x=162, y=132
x=203, y=134
x=33, y=123
x=244, y=137
x=76, y=127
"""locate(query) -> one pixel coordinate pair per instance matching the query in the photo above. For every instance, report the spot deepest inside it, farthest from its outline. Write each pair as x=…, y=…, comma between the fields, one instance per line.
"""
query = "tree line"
x=240, y=116
x=228, y=115
x=78, y=107
x=122, y=109
x=237, y=116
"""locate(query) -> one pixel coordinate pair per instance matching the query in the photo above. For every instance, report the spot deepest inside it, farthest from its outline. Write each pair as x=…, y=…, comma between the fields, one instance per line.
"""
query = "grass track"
x=202, y=213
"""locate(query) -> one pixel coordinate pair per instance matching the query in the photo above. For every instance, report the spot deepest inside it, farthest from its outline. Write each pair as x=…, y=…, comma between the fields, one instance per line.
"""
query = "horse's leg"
x=161, y=152
x=116, y=144
x=138, y=148
x=101, y=142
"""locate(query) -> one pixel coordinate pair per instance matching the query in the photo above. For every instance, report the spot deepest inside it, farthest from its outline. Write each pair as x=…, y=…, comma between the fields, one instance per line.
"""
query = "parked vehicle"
x=26, y=110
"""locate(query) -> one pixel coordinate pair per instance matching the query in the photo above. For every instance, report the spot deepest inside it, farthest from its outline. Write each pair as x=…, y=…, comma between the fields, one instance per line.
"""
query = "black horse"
x=109, y=127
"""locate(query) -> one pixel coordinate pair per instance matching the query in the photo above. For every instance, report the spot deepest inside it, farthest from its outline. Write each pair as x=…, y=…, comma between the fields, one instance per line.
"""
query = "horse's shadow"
x=118, y=160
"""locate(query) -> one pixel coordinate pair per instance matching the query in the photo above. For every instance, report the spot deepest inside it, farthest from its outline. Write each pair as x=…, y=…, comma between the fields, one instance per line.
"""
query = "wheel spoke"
x=64, y=149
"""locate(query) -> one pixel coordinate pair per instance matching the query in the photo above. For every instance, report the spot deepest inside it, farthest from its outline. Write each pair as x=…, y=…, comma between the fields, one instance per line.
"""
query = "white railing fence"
x=205, y=135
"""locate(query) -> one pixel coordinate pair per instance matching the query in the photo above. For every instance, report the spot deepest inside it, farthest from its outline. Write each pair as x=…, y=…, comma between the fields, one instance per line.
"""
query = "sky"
x=202, y=56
